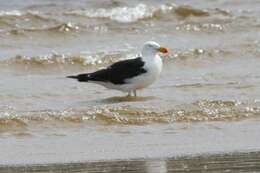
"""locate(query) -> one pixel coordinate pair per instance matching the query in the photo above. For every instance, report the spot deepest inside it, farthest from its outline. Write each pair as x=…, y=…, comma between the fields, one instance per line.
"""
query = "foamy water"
x=211, y=74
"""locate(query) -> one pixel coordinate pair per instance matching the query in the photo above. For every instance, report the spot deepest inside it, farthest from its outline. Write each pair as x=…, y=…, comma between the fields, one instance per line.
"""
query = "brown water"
x=210, y=79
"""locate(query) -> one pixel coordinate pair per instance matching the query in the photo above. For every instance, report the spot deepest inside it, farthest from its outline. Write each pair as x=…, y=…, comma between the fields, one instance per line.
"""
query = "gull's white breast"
x=153, y=68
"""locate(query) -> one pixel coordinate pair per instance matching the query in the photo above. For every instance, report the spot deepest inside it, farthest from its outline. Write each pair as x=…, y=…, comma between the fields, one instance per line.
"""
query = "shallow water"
x=210, y=75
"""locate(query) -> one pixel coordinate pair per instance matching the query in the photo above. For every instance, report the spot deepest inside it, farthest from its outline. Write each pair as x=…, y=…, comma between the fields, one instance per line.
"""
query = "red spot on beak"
x=163, y=50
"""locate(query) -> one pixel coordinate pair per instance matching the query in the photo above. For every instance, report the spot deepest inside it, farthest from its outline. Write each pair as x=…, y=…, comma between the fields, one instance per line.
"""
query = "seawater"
x=211, y=75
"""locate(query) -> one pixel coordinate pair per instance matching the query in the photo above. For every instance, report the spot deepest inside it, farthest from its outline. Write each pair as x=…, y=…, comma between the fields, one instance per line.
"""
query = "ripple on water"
x=17, y=22
x=82, y=60
x=202, y=110
x=61, y=61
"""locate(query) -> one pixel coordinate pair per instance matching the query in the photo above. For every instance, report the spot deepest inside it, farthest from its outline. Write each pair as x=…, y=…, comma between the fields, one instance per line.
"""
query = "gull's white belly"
x=141, y=81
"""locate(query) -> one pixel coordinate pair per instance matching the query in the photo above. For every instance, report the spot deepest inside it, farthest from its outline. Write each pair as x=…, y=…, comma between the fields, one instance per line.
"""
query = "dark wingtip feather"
x=73, y=77
x=80, y=77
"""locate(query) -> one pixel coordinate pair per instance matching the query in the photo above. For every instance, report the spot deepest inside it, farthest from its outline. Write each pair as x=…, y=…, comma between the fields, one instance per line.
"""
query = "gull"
x=129, y=75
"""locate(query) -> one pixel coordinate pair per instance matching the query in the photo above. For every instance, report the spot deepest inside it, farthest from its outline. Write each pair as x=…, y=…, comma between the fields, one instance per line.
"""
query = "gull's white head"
x=151, y=48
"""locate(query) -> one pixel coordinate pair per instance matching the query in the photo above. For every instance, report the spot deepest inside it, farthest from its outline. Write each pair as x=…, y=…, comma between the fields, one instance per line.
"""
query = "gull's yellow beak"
x=162, y=50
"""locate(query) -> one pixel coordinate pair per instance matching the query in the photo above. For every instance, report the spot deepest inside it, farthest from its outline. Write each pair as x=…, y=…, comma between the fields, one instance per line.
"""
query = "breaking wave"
x=70, y=21
x=202, y=110
x=26, y=16
x=100, y=58
x=63, y=27
x=121, y=14
x=142, y=12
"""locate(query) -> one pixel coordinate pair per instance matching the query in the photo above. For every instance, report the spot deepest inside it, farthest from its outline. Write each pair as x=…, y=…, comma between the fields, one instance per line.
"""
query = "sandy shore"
x=229, y=162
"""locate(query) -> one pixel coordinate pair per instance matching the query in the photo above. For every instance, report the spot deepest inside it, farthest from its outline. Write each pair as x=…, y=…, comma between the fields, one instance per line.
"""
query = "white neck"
x=148, y=55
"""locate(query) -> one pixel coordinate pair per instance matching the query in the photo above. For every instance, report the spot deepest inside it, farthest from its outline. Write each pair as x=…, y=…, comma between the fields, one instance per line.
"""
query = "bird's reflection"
x=118, y=99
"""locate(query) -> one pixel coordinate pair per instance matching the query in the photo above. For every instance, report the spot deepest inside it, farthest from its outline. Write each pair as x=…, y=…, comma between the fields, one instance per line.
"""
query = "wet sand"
x=76, y=142
x=229, y=162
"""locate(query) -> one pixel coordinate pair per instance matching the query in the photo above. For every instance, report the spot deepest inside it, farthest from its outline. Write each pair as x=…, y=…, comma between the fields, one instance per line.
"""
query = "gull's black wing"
x=116, y=73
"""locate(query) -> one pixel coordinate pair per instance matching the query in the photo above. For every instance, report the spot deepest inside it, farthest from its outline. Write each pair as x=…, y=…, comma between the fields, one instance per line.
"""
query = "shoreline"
x=236, y=161
x=91, y=144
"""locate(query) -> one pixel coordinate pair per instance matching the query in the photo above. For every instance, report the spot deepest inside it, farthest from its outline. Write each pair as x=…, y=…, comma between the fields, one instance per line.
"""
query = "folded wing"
x=117, y=73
